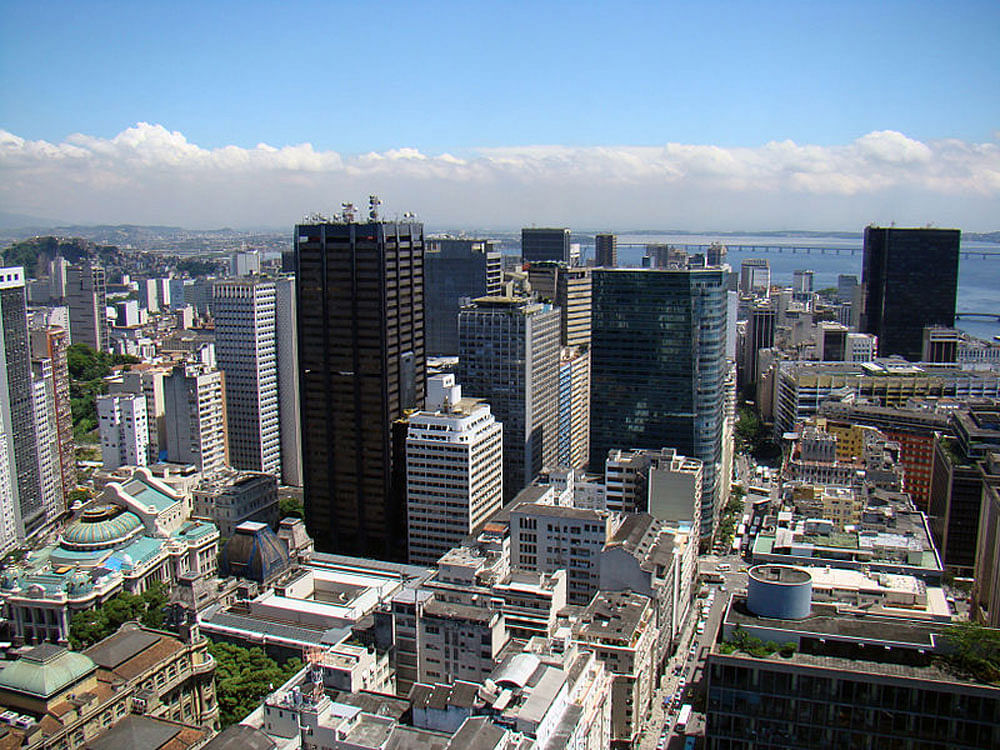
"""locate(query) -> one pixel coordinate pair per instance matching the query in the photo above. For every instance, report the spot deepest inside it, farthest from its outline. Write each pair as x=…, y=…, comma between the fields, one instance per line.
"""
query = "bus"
x=737, y=544
x=683, y=718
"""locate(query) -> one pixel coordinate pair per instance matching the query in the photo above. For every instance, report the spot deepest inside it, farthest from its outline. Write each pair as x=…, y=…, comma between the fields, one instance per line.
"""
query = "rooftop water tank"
x=780, y=591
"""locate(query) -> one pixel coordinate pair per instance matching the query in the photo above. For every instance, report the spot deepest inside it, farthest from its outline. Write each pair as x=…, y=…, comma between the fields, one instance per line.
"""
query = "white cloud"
x=147, y=173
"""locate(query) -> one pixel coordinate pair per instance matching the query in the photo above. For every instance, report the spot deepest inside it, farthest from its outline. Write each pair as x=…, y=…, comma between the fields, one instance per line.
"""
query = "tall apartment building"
x=569, y=289
x=456, y=271
x=148, y=295
x=46, y=438
x=51, y=343
x=454, y=470
x=86, y=297
x=547, y=538
x=574, y=407
x=509, y=356
x=538, y=243
x=361, y=365
x=124, y=430
x=17, y=410
x=195, y=417
x=910, y=280
x=246, y=351
x=760, y=335
x=287, y=342
x=149, y=383
x=658, y=368
x=606, y=250
x=662, y=483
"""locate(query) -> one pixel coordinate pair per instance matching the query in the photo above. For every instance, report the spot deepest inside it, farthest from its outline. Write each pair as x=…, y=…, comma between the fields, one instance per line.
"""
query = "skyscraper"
x=454, y=470
x=361, y=365
x=194, y=413
x=658, y=360
x=122, y=421
x=51, y=343
x=606, y=250
x=755, y=276
x=286, y=323
x=909, y=279
x=509, y=356
x=17, y=400
x=455, y=270
x=545, y=244
x=246, y=351
x=86, y=296
x=568, y=288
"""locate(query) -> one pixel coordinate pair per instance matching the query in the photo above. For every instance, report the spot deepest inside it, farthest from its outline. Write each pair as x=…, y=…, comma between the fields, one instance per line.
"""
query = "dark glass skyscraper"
x=658, y=348
x=606, y=250
x=455, y=269
x=361, y=365
x=909, y=279
x=539, y=243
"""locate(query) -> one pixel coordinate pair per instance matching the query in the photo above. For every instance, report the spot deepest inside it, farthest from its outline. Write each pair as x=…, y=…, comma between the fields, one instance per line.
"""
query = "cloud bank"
x=149, y=174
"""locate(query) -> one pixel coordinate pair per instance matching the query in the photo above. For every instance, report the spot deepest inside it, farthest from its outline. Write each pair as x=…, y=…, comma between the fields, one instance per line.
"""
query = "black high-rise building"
x=361, y=365
x=545, y=244
x=606, y=250
x=909, y=279
x=456, y=270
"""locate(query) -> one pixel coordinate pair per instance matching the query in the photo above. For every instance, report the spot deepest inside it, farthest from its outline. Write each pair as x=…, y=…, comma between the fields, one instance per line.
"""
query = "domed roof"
x=101, y=527
x=45, y=670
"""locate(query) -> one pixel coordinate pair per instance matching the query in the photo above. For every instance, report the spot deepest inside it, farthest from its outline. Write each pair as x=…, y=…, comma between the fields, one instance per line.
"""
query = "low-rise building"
x=230, y=498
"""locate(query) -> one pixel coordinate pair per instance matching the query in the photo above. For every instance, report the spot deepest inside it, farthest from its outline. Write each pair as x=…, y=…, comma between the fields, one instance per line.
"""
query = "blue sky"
x=458, y=78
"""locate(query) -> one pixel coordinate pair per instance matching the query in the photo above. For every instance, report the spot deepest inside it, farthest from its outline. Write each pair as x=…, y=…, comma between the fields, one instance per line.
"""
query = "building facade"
x=456, y=271
x=195, y=418
x=539, y=243
x=124, y=430
x=606, y=250
x=86, y=297
x=910, y=280
x=361, y=365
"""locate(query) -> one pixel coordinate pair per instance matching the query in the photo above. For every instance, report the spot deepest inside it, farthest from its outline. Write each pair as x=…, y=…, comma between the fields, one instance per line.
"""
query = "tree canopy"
x=243, y=677
x=92, y=625
x=87, y=370
x=974, y=650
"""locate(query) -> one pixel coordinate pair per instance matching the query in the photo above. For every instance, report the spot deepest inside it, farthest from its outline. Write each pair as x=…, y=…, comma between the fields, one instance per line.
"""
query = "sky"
x=709, y=115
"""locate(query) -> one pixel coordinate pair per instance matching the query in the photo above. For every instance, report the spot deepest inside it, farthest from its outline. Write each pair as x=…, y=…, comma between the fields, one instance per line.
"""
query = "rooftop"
x=45, y=670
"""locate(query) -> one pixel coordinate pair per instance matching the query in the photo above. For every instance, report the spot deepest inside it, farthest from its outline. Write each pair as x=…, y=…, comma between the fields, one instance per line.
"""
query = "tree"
x=244, y=676
x=974, y=650
x=88, y=369
x=89, y=626
x=290, y=507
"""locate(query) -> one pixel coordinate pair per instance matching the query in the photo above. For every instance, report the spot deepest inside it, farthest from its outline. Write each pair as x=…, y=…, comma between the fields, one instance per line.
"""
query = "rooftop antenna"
x=347, y=212
x=373, y=204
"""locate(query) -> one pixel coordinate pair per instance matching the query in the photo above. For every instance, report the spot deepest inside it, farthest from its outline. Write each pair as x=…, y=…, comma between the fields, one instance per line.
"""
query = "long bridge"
x=984, y=315
x=795, y=249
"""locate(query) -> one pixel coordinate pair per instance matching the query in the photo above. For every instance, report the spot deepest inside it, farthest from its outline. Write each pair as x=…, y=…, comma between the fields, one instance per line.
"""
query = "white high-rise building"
x=195, y=417
x=454, y=470
x=121, y=419
x=286, y=333
x=246, y=351
x=47, y=438
x=148, y=383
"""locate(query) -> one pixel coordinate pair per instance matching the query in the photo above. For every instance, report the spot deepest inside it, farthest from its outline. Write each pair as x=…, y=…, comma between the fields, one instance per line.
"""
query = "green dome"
x=101, y=528
x=45, y=670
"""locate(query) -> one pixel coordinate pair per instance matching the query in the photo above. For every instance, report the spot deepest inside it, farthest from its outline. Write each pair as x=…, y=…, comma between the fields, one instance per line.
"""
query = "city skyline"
x=704, y=117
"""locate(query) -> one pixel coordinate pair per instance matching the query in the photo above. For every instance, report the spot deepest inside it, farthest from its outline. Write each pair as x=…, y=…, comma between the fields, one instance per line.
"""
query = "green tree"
x=290, y=507
x=87, y=370
x=92, y=625
x=244, y=676
x=974, y=650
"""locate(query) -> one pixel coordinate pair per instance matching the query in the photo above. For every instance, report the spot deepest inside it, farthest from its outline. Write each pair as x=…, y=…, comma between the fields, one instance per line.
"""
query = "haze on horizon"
x=721, y=117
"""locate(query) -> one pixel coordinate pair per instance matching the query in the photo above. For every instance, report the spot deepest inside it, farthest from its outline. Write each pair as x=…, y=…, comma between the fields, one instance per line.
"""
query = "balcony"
x=207, y=665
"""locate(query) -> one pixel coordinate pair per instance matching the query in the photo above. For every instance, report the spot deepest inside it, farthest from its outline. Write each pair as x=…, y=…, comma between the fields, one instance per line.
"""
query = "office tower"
x=939, y=344
x=760, y=335
x=18, y=403
x=149, y=384
x=986, y=581
x=455, y=271
x=286, y=334
x=716, y=254
x=244, y=263
x=361, y=366
x=47, y=444
x=51, y=343
x=246, y=352
x=58, y=268
x=194, y=413
x=178, y=292
x=568, y=288
x=755, y=276
x=545, y=244
x=606, y=250
x=124, y=429
x=831, y=342
x=664, y=256
x=86, y=296
x=910, y=279
x=658, y=368
x=509, y=356
x=802, y=282
x=454, y=470
x=148, y=295
x=732, y=317
x=163, y=294
x=846, y=284
x=574, y=407
x=127, y=314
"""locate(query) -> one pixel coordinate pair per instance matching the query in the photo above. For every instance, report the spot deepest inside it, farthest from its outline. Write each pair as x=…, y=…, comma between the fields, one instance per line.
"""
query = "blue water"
x=978, y=278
